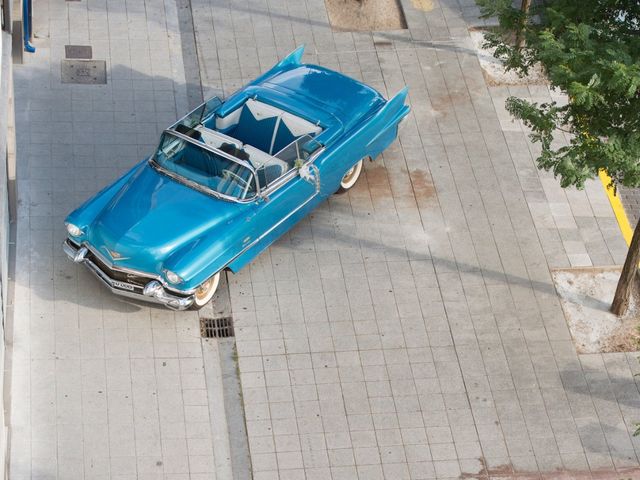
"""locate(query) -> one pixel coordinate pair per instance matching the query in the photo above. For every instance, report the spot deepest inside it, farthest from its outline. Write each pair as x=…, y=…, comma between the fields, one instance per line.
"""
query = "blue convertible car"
x=229, y=179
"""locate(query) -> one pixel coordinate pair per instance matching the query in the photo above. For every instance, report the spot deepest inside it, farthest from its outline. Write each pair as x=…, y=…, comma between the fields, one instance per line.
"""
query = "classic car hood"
x=151, y=216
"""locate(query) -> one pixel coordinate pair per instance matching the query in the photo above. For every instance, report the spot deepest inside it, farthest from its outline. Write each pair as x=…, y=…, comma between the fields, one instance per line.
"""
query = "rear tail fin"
x=386, y=122
x=292, y=60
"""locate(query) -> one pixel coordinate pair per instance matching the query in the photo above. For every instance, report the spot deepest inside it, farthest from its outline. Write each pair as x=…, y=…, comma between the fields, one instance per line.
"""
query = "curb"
x=616, y=205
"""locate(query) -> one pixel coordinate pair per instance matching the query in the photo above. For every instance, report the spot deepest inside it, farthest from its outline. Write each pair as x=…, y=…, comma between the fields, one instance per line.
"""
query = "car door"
x=284, y=199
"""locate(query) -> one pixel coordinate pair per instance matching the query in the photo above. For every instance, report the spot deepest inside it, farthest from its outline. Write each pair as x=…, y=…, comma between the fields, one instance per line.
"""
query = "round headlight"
x=73, y=230
x=172, y=277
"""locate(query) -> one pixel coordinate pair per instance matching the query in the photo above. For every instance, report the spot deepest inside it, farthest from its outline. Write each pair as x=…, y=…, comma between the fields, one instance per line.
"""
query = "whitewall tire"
x=351, y=176
x=204, y=293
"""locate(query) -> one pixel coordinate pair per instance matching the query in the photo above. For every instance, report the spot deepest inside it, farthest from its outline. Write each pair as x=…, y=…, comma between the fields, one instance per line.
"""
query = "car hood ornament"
x=114, y=255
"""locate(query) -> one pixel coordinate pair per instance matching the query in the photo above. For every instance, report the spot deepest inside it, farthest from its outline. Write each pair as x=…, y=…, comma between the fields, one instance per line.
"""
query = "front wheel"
x=204, y=293
x=351, y=177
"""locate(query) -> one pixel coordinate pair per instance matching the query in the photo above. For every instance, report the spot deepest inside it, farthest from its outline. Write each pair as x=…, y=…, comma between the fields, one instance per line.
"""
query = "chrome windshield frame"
x=199, y=106
x=196, y=185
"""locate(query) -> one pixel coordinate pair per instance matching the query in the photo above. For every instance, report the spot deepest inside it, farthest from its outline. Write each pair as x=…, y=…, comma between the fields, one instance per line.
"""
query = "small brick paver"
x=409, y=329
x=99, y=388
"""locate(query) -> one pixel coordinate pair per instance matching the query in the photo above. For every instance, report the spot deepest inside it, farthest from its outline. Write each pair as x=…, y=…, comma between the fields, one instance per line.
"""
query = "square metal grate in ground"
x=84, y=72
x=216, y=327
x=78, y=51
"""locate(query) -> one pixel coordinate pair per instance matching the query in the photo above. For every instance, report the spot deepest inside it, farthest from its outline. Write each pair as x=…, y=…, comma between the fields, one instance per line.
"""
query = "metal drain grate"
x=216, y=327
x=84, y=72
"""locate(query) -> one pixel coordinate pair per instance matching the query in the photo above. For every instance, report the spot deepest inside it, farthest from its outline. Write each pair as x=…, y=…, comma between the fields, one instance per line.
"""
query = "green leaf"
x=590, y=50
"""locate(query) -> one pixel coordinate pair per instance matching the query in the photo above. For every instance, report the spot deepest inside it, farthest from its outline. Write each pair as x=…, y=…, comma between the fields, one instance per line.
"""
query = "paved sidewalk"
x=100, y=389
x=411, y=328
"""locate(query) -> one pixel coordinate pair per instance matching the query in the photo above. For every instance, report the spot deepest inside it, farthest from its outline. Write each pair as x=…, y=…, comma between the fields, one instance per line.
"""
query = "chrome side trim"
x=284, y=219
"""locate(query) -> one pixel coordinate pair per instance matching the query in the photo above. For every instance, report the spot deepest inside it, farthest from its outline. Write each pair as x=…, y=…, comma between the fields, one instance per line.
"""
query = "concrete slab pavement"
x=411, y=328
x=408, y=329
x=100, y=389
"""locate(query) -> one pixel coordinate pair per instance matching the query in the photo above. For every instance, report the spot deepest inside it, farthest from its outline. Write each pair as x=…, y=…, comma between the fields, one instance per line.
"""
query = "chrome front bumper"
x=153, y=291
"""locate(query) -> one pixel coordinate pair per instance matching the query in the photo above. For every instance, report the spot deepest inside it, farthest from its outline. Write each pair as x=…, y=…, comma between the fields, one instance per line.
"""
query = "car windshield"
x=194, y=118
x=204, y=167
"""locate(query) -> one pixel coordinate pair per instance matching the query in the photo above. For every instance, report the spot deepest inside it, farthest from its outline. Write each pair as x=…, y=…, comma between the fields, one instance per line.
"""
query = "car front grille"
x=131, y=278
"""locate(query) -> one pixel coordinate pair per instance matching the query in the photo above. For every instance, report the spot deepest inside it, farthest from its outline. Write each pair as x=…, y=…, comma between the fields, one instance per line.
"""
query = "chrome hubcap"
x=349, y=175
x=203, y=290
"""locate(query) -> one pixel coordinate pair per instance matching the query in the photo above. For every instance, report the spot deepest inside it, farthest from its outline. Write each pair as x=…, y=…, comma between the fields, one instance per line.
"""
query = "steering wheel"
x=229, y=175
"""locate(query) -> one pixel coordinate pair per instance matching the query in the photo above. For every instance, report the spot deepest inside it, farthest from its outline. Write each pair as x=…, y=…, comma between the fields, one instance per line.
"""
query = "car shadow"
x=103, y=131
x=323, y=233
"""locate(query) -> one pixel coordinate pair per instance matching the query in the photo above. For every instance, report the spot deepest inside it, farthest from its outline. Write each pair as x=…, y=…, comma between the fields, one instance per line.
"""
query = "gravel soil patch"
x=365, y=15
x=586, y=295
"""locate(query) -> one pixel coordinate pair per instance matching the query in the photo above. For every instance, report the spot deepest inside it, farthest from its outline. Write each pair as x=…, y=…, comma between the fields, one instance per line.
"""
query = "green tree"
x=590, y=50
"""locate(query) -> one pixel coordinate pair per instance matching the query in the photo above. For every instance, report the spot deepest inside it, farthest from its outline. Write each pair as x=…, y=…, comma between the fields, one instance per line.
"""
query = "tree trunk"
x=524, y=8
x=628, y=276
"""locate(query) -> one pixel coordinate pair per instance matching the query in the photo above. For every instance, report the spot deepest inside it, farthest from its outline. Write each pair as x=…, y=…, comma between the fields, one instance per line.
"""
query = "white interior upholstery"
x=257, y=157
x=222, y=123
x=299, y=126
x=216, y=139
x=268, y=167
x=262, y=110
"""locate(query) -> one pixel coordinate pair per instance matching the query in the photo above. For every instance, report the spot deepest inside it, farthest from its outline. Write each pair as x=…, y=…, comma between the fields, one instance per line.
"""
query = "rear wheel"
x=351, y=177
x=204, y=293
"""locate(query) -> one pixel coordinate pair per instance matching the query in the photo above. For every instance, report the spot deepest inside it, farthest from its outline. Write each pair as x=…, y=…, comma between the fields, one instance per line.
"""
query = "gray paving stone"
x=109, y=409
x=403, y=331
